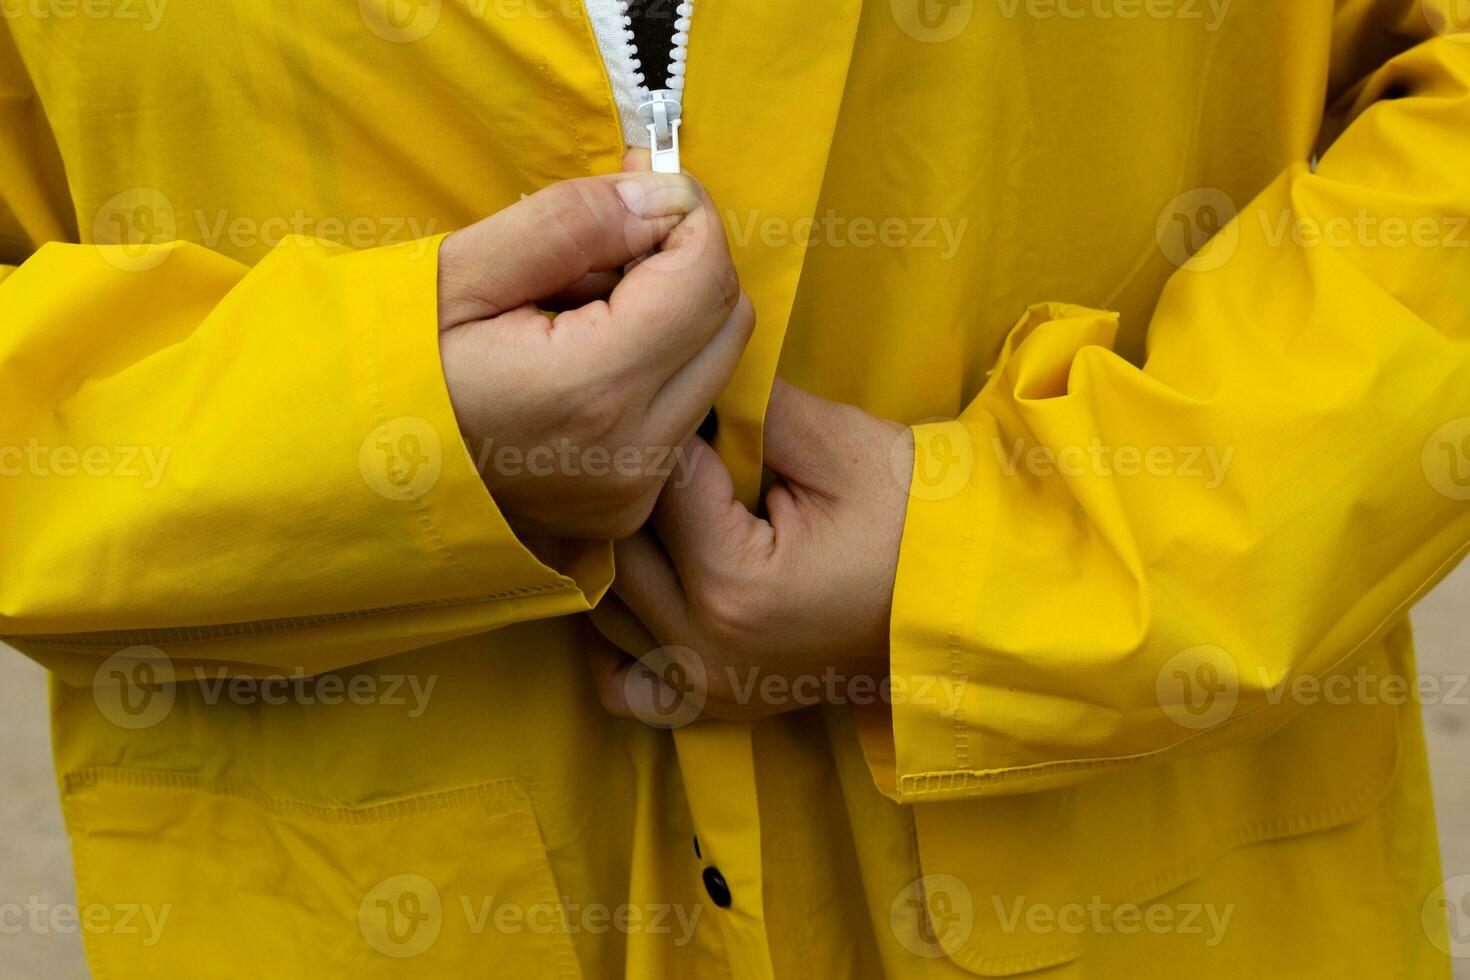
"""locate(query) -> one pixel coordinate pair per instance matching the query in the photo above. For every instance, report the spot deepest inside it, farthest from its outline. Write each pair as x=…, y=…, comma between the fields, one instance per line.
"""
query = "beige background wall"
x=34, y=859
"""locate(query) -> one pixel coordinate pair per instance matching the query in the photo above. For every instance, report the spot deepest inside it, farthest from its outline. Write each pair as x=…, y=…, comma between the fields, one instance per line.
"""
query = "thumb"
x=551, y=240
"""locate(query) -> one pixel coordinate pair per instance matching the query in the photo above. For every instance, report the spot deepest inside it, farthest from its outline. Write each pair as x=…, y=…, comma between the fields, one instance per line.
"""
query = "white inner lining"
x=617, y=56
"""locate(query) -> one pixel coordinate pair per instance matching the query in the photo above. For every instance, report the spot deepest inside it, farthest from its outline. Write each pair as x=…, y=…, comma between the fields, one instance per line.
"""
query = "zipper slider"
x=661, y=115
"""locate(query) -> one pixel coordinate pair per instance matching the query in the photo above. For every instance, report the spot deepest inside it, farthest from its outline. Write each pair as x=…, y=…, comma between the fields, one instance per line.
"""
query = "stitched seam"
x=953, y=781
x=565, y=103
x=1021, y=962
x=956, y=780
x=609, y=96
x=498, y=796
x=567, y=964
x=959, y=676
x=91, y=939
x=258, y=627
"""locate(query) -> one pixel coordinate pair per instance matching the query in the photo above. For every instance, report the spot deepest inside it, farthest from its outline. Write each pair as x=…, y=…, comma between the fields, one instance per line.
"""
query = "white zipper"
x=650, y=118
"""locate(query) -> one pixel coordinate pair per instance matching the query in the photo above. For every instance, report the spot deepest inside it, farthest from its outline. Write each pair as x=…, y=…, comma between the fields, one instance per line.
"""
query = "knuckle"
x=607, y=697
x=627, y=520
x=729, y=704
x=727, y=284
x=726, y=612
x=641, y=490
x=745, y=314
x=628, y=502
x=596, y=416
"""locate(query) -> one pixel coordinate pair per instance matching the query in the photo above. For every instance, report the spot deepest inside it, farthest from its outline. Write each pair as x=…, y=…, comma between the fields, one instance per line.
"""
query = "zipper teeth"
x=612, y=23
x=630, y=47
x=679, y=54
x=678, y=51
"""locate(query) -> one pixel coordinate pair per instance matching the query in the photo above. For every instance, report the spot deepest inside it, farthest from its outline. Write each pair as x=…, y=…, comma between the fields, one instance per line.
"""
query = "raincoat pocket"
x=1017, y=883
x=183, y=877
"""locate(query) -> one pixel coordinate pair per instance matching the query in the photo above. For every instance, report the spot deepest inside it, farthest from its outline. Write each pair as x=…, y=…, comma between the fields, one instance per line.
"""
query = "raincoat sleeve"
x=257, y=466
x=1105, y=565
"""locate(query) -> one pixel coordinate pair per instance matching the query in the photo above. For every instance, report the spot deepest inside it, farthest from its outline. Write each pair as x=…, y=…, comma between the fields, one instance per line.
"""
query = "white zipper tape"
x=649, y=118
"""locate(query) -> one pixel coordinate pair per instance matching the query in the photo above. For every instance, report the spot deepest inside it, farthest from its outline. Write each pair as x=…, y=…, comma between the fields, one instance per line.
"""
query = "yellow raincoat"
x=1160, y=507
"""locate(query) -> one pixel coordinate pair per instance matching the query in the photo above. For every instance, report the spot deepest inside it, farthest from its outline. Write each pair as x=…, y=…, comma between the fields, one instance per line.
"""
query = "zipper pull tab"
x=661, y=115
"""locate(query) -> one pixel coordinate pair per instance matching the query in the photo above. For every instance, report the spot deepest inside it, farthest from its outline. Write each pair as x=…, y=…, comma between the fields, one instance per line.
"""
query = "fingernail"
x=658, y=195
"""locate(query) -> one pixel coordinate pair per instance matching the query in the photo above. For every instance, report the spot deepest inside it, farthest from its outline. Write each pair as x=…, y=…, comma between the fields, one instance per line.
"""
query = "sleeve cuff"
x=954, y=728
x=414, y=453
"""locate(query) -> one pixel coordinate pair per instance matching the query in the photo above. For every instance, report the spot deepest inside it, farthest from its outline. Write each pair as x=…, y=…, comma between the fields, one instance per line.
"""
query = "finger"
x=610, y=668
x=649, y=586
x=670, y=304
x=697, y=517
x=549, y=241
x=800, y=430
x=616, y=622
x=592, y=286
x=637, y=160
x=640, y=689
x=686, y=397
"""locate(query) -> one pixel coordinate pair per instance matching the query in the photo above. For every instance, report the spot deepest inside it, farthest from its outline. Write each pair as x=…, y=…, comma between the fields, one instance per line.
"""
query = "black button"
x=714, y=883
x=710, y=427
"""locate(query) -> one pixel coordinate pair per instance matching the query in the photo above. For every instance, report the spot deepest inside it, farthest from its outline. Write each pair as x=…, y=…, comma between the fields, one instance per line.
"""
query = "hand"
x=762, y=616
x=575, y=419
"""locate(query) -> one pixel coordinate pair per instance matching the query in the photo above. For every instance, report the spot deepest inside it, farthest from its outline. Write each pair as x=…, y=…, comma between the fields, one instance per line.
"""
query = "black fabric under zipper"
x=653, y=36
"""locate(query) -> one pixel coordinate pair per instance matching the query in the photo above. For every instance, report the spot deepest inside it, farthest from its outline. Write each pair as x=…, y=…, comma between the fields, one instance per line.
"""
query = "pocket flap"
x=1018, y=883
x=229, y=882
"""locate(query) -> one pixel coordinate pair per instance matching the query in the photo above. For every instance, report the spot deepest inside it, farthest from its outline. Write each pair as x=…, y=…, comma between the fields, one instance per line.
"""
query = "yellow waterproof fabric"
x=230, y=455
